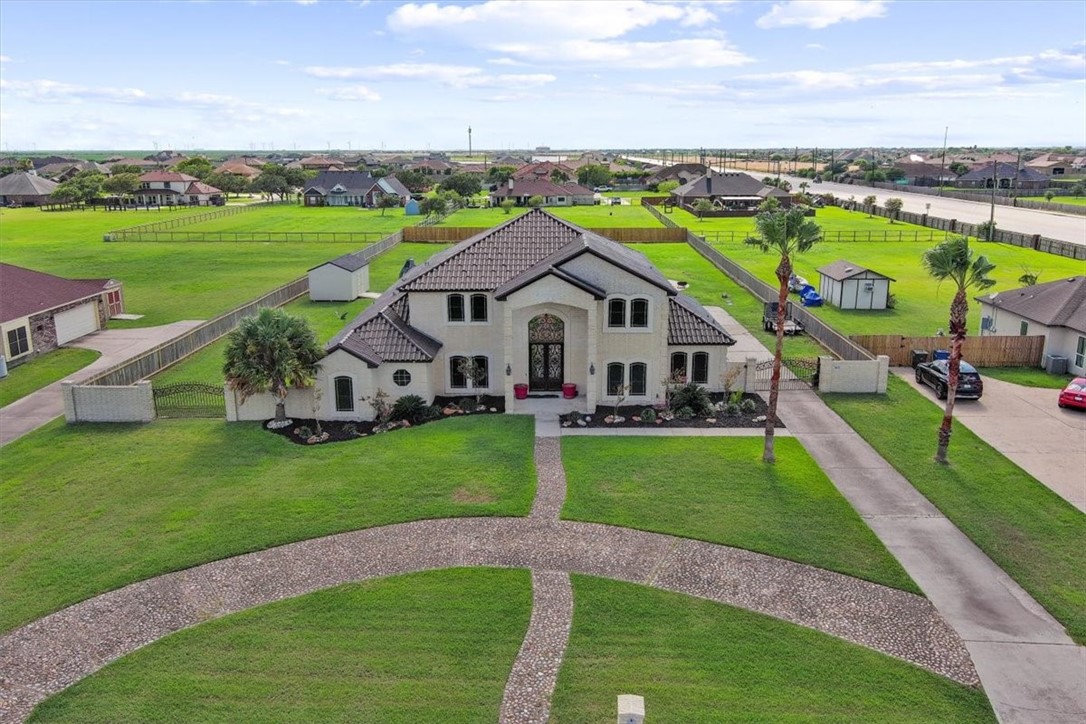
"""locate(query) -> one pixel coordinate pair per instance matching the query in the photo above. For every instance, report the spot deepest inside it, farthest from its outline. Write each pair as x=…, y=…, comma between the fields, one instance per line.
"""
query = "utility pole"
x=469, y=141
x=942, y=165
x=995, y=185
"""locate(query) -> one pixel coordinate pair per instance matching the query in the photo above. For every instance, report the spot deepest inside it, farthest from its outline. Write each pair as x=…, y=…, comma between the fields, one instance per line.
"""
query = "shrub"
x=432, y=412
x=507, y=205
x=736, y=397
x=351, y=429
x=536, y=201
x=304, y=432
x=731, y=409
x=411, y=408
x=694, y=397
x=467, y=404
x=748, y=405
x=684, y=413
x=648, y=415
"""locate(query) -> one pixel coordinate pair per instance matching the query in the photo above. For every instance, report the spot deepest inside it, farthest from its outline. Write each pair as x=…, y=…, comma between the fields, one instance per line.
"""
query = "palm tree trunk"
x=784, y=270
x=958, y=310
x=280, y=409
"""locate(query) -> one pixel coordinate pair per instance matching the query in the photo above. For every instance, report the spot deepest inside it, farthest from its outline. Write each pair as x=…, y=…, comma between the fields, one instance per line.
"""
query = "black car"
x=970, y=385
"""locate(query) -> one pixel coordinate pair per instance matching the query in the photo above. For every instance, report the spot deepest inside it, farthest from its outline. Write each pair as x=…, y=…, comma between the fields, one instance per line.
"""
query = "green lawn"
x=830, y=218
x=922, y=305
x=325, y=317
x=718, y=490
x=425, y=647
x=708, y=284
x=89, y=508
x=1074, y=200
x=1029, y=531
x=41, y=371
x=480, y=217
x=309, y=218
x=588, y=216
x=698, y=661
x=165, y=281
x=1029, y=377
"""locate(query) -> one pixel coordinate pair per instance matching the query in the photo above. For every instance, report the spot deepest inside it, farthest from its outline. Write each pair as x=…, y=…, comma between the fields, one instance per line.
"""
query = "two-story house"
x=536, y=301
x=166, y=188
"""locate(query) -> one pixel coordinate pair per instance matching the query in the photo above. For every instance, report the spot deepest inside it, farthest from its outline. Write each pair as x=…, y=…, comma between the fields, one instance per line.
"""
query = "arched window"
x=616, y=372
x=678, y=365
x=638, y=378
x=478, y=307
x=344, y=388
x=456, y=307
x=639, y=313
x=457, y=379
x=616, y=313
x=700, y=370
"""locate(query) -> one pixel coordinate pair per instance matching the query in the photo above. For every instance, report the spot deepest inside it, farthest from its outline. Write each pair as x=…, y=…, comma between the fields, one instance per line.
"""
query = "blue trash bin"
x=941, y=354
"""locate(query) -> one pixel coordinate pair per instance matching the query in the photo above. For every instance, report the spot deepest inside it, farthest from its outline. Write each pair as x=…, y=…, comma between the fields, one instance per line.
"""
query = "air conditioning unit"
x=1056, y=364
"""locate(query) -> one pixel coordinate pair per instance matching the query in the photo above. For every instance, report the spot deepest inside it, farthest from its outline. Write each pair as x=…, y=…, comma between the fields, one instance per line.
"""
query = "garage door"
x=75, y=322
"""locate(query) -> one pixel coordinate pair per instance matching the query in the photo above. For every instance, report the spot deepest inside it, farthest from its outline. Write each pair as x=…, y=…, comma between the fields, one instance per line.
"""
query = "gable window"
x=1023, y=329
x=700, y=371
x=478, y=307
x=456, y=307
x=639, y=313
x=616, y=313
x=457, y=379
x=638, y=378
x=1080, y=353
x=402, y=378
x=17, y=342
x=344, y=387
x=678, y=365
x=616, y=372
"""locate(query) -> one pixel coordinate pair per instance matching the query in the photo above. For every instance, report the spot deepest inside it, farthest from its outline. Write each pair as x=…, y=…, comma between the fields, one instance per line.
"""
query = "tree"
x=701, y=207
x=231, y=183
x=433, y=206
x=787, y=233
x=276, y=180
x=803, y=186
x=6, y=171
x=379, y=171
x=953, y=260
x=958, y=168
x=507, y=206
x=1049, y=195
x=1079, y=189
x=986, y=230
x=593, y=175
x=869, y=203
x=387, y=201
x=499, y=174
x=25, y=164
x=536, y=201
x=84, y=186
x=895, y=174
x=465, y=184
x=272, y=351
x=415, y=181
x=125, y=168
x=770, y=204
x=666, y=187
x=558, y=176
x=121, y=184
x=893, y=208
x=197, y=166
x=1029, y=277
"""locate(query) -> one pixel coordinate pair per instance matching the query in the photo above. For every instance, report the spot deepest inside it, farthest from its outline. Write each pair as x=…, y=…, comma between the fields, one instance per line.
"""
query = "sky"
x=323, y=74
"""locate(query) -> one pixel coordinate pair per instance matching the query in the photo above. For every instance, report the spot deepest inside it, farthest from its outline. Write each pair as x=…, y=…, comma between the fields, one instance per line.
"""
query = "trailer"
x=769, y=319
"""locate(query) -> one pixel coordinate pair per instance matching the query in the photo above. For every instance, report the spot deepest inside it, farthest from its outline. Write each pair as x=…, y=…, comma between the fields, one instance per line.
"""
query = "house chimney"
x=709, y=183
x=509, y=183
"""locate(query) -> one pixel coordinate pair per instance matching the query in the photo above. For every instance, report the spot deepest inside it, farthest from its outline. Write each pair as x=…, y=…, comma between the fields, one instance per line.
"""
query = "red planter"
x=520, y=391
x=569, y=390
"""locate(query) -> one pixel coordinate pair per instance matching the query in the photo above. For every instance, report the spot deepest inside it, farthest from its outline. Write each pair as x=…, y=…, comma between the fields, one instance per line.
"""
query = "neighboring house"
x=542, y=171
x=1056, y=310
x=732, y=191
x=320, y=163
x=39, y=311
x=25, y=189
x=920, y=173
x=682, y=172
x=352, y=188
x=521, y=191
x=849, y=286
x=1008, y=176
x=170, y=188
x=64, y=170
x=536, y=301
x=238, y=167
x=1051, y=164
x=431, y=166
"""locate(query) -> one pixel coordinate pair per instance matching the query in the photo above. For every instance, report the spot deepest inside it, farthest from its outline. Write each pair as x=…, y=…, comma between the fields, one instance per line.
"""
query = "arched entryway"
x=546, y=353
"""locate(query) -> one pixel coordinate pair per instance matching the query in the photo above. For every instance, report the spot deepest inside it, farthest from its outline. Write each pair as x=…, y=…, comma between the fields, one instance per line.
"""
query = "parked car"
x=936, y=373
x=1074, y=395
x=602, y=188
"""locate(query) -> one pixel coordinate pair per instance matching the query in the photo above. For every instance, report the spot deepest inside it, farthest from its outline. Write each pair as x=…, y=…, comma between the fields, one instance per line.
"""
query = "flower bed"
x=631, y=416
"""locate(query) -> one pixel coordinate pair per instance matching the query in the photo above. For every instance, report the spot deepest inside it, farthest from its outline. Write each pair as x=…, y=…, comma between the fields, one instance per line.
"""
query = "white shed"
x=340, y=280
x=850, y=286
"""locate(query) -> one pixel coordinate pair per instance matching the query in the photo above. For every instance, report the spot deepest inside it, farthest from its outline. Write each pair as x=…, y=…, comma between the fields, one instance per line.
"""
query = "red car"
x=1074, y=395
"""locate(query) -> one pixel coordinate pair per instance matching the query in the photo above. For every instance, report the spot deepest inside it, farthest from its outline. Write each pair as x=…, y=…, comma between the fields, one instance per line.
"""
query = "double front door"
x=546, y=350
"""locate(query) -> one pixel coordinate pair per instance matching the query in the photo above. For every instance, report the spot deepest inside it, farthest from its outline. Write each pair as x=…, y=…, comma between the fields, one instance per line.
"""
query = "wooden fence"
x=642, y=234
x=441, y=234
x=450, y=234
x=988, y=351
x=339, y=237
x=841, y=235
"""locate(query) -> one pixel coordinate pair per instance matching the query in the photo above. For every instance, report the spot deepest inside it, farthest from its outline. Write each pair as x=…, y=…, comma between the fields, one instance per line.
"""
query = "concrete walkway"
x=1026, y=425
x=116, y=345
x=1030, y=668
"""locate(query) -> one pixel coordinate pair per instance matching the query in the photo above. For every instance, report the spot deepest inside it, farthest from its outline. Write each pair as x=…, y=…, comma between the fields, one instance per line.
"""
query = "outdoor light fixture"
x=508, y=370
x=592, y=368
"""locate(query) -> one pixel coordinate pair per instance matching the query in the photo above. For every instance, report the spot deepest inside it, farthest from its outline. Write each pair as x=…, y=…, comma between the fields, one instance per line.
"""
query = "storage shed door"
x=75, y=322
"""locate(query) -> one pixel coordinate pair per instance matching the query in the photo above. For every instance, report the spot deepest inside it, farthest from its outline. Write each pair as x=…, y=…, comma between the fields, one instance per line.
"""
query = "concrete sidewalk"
x=116, y=345
x=1030, y=668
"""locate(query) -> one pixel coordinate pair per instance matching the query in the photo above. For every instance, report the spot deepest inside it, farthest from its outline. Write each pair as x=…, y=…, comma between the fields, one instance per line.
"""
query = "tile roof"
x=689, y=323
x=22, y=183
x=24, y=291
x=355, y=260
x=381, y=334
x=841, y=270
x=353, y=182
x=166, y=177
x=1061, y=303
x=199, y=187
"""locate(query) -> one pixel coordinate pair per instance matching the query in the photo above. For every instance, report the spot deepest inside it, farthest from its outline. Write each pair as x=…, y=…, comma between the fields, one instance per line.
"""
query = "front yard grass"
x=830, y=218
x=709, y=285
x=89, y=508
x=719, y=490
x=1029, y=531
x=425, y=647
x=1075, y=200
x=1028, y=377
x=45, y=370
x=309, y=219
x=699, y=661
x=599, y=216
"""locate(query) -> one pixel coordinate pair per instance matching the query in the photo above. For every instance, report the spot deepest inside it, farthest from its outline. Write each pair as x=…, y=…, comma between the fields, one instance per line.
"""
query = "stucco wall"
x=468, y=339
x=1058, y=340
x=855, y=376
x=98, y=403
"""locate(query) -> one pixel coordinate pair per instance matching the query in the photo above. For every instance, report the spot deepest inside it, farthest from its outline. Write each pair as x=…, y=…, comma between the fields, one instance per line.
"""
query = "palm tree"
x=271, y=352
x=787, y=232
x=952, y=259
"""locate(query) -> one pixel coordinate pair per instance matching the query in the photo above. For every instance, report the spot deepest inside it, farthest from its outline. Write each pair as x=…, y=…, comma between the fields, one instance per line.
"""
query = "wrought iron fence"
x=797, y=373
x=189, y=399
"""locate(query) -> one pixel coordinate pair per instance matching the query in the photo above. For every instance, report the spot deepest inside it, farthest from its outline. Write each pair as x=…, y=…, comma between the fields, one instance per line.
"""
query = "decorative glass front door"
x=546, y=337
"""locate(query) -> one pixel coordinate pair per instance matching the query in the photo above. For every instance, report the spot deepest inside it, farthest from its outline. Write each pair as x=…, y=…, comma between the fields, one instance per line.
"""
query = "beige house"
x=1056, y=310
x=535, y=303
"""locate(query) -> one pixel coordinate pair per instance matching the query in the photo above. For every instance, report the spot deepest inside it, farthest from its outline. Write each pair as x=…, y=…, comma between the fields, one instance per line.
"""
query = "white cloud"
x=814, y=46
x=282, y=62
x=688, y=53
x=5, y=58
x=818, y=14
x=350, y=93
x=306, y=2
x=454, y=76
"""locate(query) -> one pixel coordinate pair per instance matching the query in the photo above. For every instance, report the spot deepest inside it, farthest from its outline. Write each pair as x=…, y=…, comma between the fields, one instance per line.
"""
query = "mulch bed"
x=303, y=431
x=743, y=419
